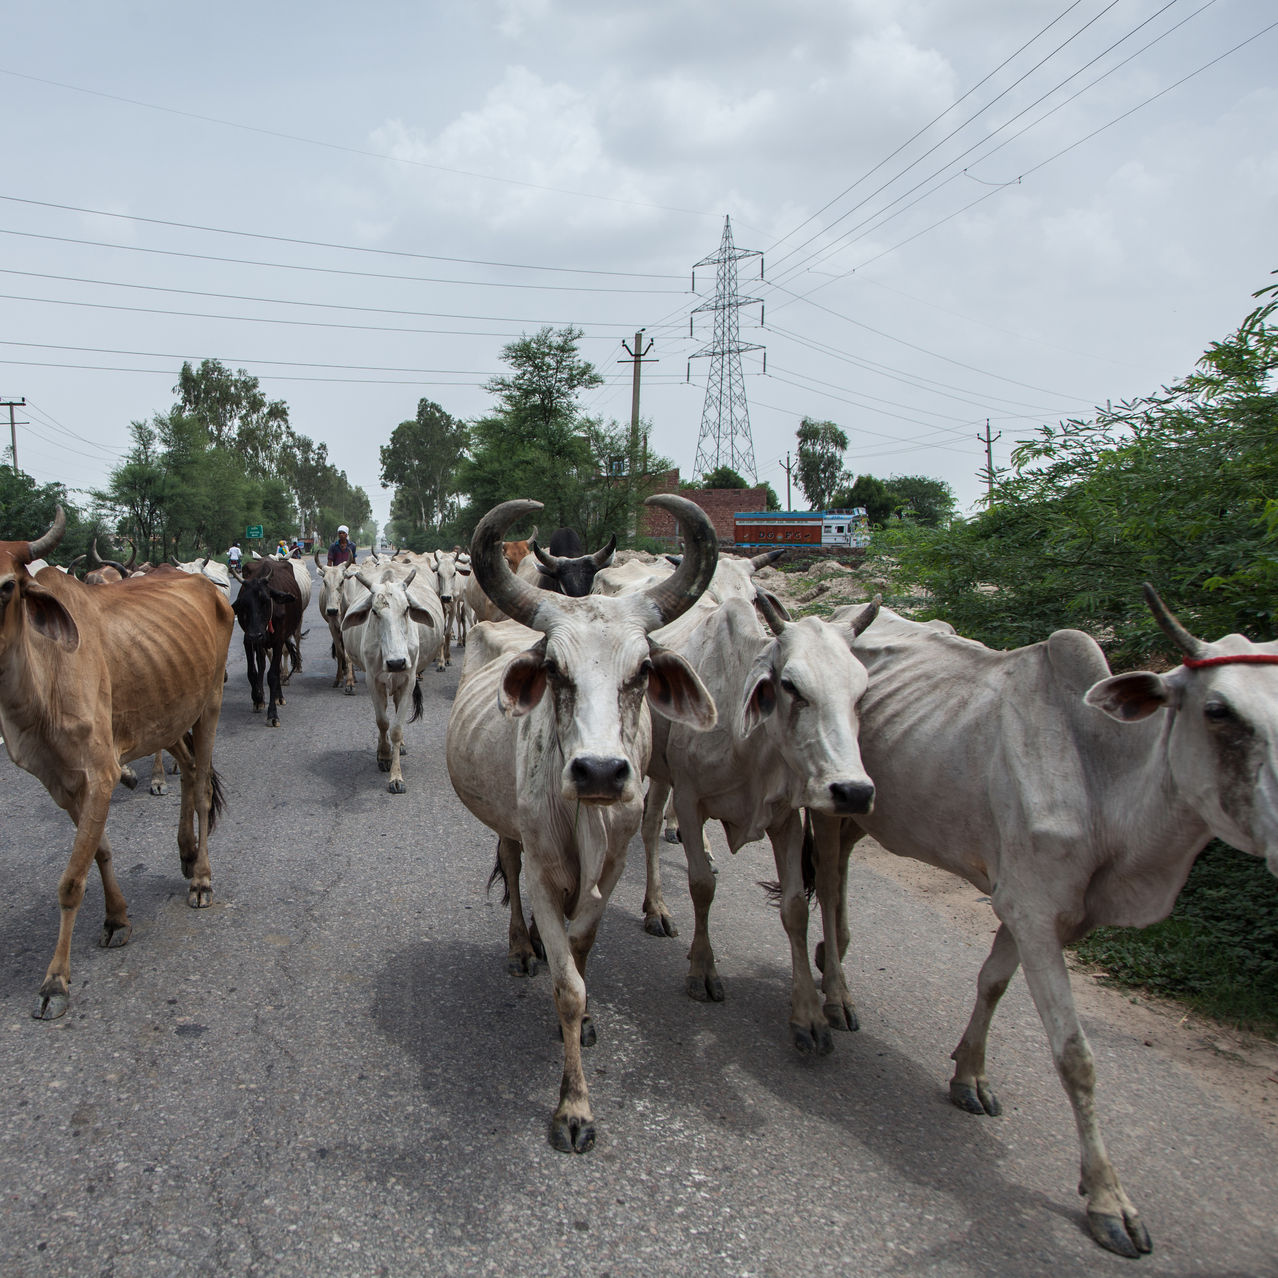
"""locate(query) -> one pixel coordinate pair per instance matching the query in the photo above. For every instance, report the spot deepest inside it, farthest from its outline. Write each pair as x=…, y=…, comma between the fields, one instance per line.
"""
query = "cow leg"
x=672, y=827
x=703, y=978
x=90, y=816
x=396, y=740
x=969, y=1088
x=809, y=1029
x=832, y=840
x=276, y=690
x=255, y=660
x=1111, y=1215
x=158, y=783
x=656, y=917
x=195, y=756
x=522, y=951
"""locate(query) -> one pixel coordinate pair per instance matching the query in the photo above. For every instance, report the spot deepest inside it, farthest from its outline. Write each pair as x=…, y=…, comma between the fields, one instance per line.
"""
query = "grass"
x=1217, y=951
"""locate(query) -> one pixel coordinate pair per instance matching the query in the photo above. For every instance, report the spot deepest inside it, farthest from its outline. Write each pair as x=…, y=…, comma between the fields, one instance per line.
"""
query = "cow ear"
x=50, y=619
x=1129, y=697
x=524, y=682
x=421, y=616
x=282, y=596
x=675, y=691
x=760, y=698
x=464, y=569
x=357, y=615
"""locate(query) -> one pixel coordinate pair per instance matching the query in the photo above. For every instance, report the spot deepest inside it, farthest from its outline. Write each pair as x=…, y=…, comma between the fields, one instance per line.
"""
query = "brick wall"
x=719, y=503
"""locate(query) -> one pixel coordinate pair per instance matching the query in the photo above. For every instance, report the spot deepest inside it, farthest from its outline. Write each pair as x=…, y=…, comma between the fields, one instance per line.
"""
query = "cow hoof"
x=975, y=1100
x=812, y=1039
x=397, y=787
x=522, y=965
x=705, y=989
x=350, y=689
x=115, y=934
x=1124, y=1235
x=272, y=723
x=842, y=1016
x=572, y=1135
x=673, y=836
x=258, y=707
x=383, y=765
x=52, y=1001
x=279, y=701
x=158, y=788
x=199, y=896
x=659, y=924
x=129, y=778
x=588, y=1036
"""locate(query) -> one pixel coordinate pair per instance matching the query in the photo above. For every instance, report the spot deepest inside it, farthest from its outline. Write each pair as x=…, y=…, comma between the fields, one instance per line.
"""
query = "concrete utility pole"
x=788, y=468
x=989, y=457
x=11, y=404
x=636, y=353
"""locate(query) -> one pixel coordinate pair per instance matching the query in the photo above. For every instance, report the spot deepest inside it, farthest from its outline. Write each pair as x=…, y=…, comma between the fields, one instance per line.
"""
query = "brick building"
x=719, y=503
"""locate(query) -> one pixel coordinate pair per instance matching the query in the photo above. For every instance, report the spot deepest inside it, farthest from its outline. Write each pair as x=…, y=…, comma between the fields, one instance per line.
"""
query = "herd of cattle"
x=592, y=694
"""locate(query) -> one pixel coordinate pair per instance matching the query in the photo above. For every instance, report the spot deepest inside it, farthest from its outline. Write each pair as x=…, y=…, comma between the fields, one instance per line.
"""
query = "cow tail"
x=499, y=876
x=218, y=803
x=417, y=702
x=772, y=889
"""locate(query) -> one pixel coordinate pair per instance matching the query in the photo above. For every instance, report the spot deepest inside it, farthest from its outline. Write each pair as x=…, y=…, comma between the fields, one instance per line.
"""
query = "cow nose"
x=852, y=796
x=396, y=663
x=330, y=612
x=599, y=778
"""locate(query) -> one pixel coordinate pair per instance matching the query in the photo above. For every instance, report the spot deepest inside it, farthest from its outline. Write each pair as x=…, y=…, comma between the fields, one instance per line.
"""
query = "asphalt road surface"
x=329, y=1072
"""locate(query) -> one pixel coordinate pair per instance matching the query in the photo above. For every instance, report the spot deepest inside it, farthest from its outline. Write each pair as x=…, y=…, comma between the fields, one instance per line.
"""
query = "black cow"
x=566, y=569
x=269, y=610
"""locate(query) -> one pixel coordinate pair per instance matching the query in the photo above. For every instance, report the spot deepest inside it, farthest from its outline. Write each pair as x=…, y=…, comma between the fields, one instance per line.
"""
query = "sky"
x=958, y=211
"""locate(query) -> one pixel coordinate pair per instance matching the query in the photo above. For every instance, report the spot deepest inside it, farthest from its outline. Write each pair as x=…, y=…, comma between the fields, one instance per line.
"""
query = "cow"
x=515, y=553
x=330, y=606
x=91, y=678
x=218, y=573
x=786, y=740
x=448, y=567
x=1073, y=798
x=389, y=631
x=269, y=610
x=548, y=742
x=571, y=574
x=302, y=575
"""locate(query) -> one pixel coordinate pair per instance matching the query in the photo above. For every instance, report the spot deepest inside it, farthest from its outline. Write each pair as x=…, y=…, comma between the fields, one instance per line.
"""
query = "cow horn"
x=176, y=560
x=774, y=612
x=867, y=614
x=318, y=565
x=39, y=548
x=603, y=557
x=516, y=598
x=117, y=565
x=408, y=580
x=133, y=557
x=549, y=563
x=72, y=565
x=205, y=562
x=768, y=557
x=95, y=560
x=1170, y=625
x=674, y=596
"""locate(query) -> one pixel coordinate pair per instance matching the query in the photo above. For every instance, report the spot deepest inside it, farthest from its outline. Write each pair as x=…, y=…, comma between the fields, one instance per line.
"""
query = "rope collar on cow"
x=1241, y=659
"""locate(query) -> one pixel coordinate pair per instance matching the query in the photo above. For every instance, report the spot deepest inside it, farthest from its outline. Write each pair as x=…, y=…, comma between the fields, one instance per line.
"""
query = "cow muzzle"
x=599, y=779
x=396, y=664
x=852, y=798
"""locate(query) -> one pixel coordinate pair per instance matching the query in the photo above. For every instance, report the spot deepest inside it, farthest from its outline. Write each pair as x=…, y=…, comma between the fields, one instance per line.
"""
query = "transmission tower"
x=725, y=419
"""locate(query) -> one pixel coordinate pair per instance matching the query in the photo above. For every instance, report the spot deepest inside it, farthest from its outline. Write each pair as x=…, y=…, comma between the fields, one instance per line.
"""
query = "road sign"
x=253, y=530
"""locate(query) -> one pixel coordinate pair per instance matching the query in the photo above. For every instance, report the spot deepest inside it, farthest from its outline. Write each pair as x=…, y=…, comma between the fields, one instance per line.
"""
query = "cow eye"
x=6, y=592
x=792, y=689
x=1218, y=711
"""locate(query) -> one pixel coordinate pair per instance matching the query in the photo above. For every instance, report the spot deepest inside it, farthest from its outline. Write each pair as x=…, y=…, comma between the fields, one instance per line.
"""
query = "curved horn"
x=674, y=596
x=549, y=563
x=205, y=562
x=119, y=567
x=71, y=567
x=516, y=598
x=176, y=560
x=768, y=557
x=408, y=581
x=40, y=548
x=318, y=565
x=363, y=581
x=94, y=560
x=1170, y=625
x=604, y=556
x=773, y=610
x=865, y=616
x=133, y=557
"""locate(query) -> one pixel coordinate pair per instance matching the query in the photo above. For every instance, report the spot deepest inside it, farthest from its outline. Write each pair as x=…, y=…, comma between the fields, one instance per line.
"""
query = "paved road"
x=330, y=1073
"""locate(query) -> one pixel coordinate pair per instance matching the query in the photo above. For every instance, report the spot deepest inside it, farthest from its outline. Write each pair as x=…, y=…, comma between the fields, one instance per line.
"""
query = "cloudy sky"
x=967, y=209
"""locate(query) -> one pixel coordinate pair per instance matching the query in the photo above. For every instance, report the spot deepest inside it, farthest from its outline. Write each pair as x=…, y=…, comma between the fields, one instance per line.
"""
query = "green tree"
x=820, y=461
x=880, y=501
x=421, y=463
x=925, y=500
x=1177, y=488
x=236, y=414
x=723, y=477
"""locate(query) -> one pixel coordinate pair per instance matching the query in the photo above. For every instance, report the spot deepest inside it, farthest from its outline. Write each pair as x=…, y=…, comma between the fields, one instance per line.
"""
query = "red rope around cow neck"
x=1242, y=659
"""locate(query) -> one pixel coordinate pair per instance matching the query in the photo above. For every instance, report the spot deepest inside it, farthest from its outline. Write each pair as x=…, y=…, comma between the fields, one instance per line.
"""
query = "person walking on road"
x=342, y=551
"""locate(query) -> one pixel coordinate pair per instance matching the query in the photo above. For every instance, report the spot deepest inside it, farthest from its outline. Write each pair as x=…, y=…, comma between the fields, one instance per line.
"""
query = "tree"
x=421, y=462
x=925, y=500
x=723, y=477
x=879, y=501
x=1177, y=488
x=236, y=414
x=820, y=461
x=549, y=375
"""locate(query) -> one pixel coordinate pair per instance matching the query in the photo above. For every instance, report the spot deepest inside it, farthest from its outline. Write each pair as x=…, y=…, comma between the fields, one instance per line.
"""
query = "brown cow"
x=88, y=680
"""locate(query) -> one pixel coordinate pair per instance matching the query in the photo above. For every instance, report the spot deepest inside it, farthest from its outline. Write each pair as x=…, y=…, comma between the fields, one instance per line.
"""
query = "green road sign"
x=254, y=530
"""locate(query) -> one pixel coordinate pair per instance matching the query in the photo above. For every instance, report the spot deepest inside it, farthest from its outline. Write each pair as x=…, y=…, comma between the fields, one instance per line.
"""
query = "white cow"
x=786, y=740
x=330, y=606
x=548, y=748
x=451, y=571
x=218, y=573
x=383, y=631
x=1074, y=798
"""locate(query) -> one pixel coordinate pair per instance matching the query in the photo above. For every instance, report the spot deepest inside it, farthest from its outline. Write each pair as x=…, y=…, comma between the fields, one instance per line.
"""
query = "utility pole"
x=788, y=468
x=989, y=458
x=11, y=404
x=636, y=353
